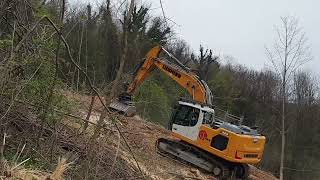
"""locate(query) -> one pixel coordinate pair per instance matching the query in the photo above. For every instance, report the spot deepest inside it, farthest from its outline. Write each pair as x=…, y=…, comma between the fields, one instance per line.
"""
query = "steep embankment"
x=141, y=136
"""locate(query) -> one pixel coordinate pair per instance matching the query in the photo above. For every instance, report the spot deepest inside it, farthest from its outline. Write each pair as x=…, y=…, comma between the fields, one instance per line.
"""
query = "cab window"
x=208, y=117
x=186, y=116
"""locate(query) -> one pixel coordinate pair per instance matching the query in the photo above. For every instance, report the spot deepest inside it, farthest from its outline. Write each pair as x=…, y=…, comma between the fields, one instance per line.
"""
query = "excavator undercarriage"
x=185, y=153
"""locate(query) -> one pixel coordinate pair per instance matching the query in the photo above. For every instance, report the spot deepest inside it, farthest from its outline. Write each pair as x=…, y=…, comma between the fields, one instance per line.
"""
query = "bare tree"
x=203, y=62
x=181, y=50
x=289, y=51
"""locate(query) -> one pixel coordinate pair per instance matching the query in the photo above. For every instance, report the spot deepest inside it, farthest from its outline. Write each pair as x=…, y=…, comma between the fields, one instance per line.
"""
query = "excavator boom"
x=177, y=71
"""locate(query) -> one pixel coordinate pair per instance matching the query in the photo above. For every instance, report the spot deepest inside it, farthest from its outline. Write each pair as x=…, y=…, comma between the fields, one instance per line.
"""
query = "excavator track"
x=188, y=154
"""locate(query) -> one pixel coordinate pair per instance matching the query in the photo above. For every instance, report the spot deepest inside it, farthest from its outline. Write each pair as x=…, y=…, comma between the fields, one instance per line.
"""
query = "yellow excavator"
x=219, y=144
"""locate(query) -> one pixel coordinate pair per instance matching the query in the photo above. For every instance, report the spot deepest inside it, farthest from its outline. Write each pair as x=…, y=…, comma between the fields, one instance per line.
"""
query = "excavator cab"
x=187, y=118
x=219, y=147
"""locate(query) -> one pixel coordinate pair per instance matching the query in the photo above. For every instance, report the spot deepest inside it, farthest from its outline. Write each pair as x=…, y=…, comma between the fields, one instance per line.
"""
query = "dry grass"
x=17, y=171
x=60, y=169
x=12, y=170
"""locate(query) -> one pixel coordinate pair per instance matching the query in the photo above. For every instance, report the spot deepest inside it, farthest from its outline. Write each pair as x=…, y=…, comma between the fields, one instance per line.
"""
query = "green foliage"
x=4, y=43
x=38, y=86
x=40, y=10
x=222, y=87
x=38, y=89
x=49, y=44
x=139, y=20
x=153, y=103
x=50, y=10
x=30, y=161
x=156, y=97
x=157, y=32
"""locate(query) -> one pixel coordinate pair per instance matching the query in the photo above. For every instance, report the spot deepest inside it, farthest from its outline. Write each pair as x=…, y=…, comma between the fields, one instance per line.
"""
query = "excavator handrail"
x=176, y=60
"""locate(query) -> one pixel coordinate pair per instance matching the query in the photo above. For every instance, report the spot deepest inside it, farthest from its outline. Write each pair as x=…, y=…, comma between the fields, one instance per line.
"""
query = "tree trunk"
x=282, y=136
x=79, y=56
x=284, y=101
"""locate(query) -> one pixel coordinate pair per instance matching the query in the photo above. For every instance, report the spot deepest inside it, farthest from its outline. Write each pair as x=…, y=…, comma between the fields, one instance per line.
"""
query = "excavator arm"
x=187, y=80
x=198, y=89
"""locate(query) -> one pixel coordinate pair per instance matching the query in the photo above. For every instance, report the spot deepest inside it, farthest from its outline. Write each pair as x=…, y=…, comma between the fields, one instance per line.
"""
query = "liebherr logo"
x=172, y=71
x=203, y=135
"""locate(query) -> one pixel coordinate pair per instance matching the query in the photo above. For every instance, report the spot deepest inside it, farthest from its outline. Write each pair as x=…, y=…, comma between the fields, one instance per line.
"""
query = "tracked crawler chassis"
x=183, y=152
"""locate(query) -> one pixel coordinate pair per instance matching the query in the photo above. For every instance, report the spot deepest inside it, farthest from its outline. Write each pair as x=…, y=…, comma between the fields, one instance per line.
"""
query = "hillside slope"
x=141, y=136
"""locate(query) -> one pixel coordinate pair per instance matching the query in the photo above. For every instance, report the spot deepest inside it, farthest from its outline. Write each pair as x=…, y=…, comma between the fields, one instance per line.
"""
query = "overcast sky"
x=241, y=28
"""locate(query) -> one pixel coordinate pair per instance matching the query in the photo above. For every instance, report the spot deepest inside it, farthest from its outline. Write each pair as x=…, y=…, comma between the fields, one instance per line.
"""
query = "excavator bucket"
x=123, y=104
